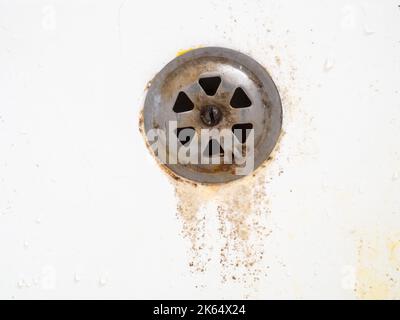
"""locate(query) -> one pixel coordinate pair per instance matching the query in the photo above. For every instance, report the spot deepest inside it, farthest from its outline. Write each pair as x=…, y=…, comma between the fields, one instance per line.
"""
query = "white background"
x=86, y=213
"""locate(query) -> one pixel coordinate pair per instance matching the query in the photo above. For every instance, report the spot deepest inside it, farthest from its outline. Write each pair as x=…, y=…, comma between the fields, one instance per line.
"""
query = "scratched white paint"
x=86, y=213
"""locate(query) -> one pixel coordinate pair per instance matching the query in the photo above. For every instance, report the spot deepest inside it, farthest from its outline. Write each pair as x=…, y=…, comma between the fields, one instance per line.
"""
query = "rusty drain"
x=217, y=88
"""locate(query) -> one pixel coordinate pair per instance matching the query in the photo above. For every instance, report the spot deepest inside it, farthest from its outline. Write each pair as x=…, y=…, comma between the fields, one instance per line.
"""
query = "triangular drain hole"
x=183, y=103
x=185, y=135
x=242, y=131
x=210, y=84
x=240, y=99
x=213, y=148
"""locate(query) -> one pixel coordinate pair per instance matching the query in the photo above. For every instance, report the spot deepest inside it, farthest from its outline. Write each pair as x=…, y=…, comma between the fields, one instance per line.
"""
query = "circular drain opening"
x=219, y=90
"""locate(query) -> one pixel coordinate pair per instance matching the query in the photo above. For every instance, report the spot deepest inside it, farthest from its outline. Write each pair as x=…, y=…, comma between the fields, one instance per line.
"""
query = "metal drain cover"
x=213, y=88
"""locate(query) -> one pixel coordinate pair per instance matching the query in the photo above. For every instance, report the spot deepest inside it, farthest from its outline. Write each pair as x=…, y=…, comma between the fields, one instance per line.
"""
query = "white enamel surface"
x=86, y=213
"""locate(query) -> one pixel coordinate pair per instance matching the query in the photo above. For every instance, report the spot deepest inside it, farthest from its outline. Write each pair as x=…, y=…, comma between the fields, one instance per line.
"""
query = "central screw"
x=210, y=115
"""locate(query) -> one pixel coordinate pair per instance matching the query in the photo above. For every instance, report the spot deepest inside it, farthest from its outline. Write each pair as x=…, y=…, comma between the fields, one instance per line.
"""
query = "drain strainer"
x=212, y=88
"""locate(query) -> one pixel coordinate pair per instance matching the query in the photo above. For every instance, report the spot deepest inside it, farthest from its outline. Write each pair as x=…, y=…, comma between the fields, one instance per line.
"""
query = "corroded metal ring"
x=215, y=87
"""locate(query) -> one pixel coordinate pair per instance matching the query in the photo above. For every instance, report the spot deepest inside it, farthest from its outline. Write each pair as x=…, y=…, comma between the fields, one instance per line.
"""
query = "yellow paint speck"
x=183, y=51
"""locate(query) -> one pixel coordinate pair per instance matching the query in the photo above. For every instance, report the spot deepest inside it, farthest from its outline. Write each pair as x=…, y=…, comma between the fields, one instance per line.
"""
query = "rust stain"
x=238, y=210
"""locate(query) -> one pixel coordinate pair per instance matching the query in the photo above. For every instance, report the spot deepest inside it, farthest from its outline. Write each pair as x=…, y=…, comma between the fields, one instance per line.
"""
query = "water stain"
x=378, y=267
